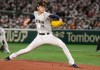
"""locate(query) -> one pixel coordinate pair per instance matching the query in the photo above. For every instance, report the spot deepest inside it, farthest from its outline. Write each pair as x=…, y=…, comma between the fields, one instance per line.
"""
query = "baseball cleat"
x=7, y=58
x=75, y=66
x=3, y=50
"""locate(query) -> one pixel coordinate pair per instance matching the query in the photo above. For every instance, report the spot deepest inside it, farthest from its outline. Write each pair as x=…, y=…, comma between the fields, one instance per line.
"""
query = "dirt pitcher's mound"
x=38, y=65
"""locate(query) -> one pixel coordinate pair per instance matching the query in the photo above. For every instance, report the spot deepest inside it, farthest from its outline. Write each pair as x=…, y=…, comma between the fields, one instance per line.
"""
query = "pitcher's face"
x=41, y=9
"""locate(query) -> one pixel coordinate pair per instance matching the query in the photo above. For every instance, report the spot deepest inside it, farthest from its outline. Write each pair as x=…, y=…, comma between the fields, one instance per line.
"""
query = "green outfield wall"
x=67, y=36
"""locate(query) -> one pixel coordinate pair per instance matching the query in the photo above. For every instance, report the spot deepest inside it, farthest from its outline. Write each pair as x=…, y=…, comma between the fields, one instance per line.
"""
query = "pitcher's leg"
x=67, y=53
x=37, y=42
x=56, y=41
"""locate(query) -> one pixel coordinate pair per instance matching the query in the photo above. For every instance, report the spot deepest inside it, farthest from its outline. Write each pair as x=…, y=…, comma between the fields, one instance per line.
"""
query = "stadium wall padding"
x=67, y=36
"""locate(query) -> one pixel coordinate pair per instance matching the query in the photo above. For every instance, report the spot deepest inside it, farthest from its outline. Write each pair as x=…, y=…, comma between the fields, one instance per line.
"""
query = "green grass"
x=83, y=54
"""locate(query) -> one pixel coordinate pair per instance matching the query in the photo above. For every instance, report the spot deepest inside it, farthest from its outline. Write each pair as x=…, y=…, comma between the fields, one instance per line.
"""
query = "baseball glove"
x=57, y=24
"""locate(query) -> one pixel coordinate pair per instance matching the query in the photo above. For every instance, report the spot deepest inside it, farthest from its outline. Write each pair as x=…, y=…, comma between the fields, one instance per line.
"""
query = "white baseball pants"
x=45, y=39
x=3, y=40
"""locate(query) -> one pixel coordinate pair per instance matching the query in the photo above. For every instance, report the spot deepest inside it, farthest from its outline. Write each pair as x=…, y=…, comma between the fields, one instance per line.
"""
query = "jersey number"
x=42, y=25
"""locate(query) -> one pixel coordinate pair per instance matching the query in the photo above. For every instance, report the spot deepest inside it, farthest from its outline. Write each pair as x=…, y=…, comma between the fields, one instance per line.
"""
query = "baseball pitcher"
x=44, y=34
x=4, y=47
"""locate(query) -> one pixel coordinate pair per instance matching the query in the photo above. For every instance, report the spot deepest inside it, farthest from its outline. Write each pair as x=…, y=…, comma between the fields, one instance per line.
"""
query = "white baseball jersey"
x=42, y=22
x=43, y=26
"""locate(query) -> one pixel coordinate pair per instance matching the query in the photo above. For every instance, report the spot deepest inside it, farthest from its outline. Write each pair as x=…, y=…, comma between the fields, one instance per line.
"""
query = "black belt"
x=44, y=33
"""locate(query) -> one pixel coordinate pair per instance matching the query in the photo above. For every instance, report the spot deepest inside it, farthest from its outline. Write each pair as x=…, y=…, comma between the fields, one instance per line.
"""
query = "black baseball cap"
x=42, y=3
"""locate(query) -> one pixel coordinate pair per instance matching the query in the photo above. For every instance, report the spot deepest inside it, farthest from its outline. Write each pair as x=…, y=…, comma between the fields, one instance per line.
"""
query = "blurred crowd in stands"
x=77, y=14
